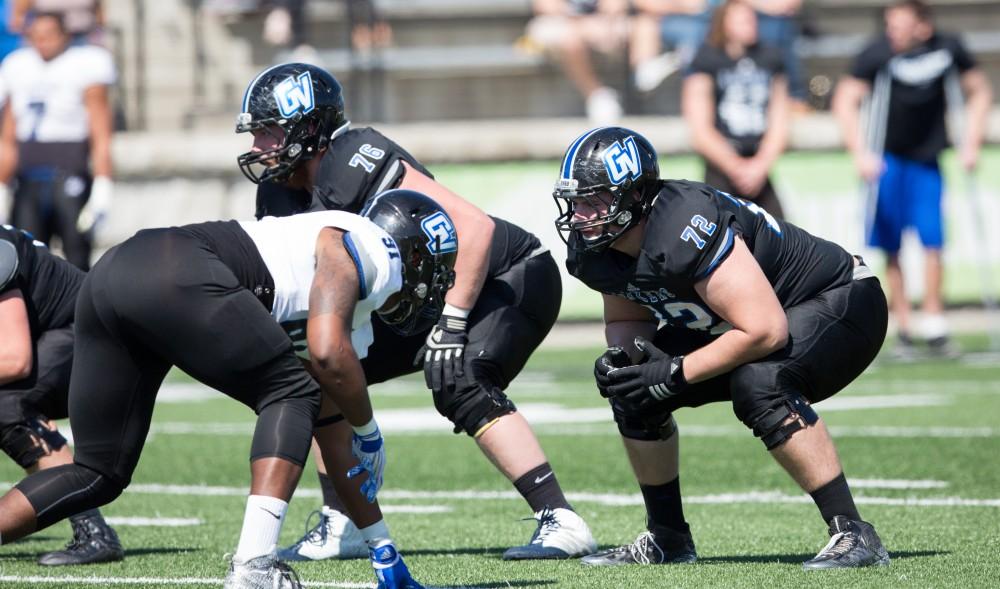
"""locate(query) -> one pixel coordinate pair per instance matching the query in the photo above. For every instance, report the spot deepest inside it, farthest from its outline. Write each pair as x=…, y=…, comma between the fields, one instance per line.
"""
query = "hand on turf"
x=444, y=353
x=644, y=386
x=369, y=449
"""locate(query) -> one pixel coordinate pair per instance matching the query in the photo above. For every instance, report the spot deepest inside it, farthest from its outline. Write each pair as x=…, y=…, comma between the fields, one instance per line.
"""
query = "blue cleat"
x=390, y=570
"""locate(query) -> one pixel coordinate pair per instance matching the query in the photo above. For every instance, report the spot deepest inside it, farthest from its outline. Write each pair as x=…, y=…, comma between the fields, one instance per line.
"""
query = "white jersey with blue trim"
x=288, y=247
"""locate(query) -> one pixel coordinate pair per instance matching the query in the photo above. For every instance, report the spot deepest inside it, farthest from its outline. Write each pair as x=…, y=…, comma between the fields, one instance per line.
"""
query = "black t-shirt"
x=690, y=230
x=916, y=127
x=48, y=283
x=742, y=91
x=359, y=165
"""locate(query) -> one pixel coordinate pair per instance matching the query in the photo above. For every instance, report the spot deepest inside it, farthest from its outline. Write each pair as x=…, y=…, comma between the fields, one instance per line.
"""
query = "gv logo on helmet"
x=622, y=161
x=295, y=95
x=441, y=236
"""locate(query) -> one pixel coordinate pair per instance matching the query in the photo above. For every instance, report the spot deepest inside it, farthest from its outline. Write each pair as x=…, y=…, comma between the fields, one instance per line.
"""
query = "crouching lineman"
x=210, y=299
x=754, y=311
x=37, y=295
x=505, y=300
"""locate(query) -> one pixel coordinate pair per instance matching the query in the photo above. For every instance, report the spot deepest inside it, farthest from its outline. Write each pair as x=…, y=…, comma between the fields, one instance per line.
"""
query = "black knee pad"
x=771, y=427
x=284, y=430
x=473, y=405
x=59, y=492
x=650, y=428
x=27, y=442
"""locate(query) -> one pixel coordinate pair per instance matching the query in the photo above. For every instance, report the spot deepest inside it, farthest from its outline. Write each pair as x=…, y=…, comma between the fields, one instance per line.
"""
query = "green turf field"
x=921, y=442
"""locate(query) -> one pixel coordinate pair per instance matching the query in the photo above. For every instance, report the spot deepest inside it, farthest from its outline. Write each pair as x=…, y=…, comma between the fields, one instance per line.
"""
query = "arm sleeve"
x=964, y=60
x=703, y=62
x=867, y=64
x=99, y=68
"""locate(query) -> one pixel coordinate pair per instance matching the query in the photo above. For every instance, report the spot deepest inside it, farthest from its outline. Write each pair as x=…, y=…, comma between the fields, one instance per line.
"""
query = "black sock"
x=663, y=505
x=540, y=488
x=330, y=498
x=834, y=498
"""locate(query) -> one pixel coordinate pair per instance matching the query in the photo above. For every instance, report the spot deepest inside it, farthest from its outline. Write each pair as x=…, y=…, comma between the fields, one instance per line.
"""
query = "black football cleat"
x=93, y=541
x=658, y=546
x=852, y=544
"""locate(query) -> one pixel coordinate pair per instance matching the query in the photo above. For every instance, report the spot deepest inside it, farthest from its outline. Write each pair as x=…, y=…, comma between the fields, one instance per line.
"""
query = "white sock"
x=261, y=526
x=377, y=534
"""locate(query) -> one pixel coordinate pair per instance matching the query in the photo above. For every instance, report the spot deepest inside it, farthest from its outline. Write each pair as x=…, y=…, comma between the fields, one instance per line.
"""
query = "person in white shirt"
x=55, y=143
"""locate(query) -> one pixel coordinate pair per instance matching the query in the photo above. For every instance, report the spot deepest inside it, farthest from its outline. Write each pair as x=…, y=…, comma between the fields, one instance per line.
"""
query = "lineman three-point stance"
x=506, y=297
x=708, y=298
x=212, y=299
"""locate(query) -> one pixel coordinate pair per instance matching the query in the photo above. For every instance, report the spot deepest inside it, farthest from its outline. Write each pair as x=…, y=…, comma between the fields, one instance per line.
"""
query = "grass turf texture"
x=740, y=544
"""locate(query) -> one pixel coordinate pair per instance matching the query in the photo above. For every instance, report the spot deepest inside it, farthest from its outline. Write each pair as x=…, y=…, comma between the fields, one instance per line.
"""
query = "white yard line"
x=132, y=581
x=162, y=522
x=610, y=499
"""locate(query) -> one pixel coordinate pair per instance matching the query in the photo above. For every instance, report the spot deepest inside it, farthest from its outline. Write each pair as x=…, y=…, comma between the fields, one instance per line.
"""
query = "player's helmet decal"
x=428, y=245
x=612, y=170
x=302, y=106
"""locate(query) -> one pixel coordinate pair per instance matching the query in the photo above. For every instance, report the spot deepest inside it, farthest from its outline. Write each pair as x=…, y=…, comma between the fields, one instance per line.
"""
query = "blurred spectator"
x=681, y=26
x=368, y=29
x=56, y=137
x=83, y=19
x=778, y=25
x=571, y=29
x=908, y=70
x=735, y=101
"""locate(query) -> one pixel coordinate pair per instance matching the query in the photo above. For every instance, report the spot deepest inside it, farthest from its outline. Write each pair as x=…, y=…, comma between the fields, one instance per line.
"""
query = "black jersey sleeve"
x=8, y=265
x=706, y=61
x=964, y=60
x=277, y=200
x=871, y=59
x=359, y=165
x=688, y=234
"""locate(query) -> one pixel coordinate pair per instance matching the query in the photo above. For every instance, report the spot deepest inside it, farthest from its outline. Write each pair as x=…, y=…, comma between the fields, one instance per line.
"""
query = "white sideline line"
x=131, y=581
x=162, y=522
x=896, y=484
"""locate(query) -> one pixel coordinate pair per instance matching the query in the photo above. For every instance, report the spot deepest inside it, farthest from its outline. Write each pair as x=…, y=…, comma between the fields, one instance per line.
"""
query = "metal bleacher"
x=450, y=60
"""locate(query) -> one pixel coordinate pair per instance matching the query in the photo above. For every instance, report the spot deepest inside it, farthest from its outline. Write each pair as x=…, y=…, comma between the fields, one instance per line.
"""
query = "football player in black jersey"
x=37, y=296
x=708, y=298
x=305, y=157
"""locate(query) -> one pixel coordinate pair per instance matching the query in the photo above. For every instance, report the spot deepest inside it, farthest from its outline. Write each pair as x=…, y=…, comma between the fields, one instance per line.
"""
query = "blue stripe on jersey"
x=719, y=253
x=246, y=93
x=353, y=250
x=567, y=167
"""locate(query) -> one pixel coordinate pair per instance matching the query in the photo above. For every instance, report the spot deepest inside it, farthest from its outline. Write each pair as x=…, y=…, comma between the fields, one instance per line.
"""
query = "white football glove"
x=368, y=448
x=95, y=211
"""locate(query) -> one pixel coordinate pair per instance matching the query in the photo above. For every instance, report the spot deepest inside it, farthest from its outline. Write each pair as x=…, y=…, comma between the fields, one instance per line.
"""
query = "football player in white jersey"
x=56, y=137
x=211, y=299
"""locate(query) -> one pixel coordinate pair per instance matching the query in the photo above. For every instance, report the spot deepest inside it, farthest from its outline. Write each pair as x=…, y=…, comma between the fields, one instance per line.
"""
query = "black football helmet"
x=302, y=100
x=428, y=244
x=608, y=167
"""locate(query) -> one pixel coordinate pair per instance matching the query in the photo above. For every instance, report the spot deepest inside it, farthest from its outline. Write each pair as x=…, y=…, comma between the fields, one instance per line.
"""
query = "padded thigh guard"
x=59, y=492
x=28, y=442
x=646, y=427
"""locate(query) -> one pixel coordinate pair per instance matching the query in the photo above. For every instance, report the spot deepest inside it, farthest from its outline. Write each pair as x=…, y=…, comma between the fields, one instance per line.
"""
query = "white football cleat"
x=561, y=533
x=335, y=536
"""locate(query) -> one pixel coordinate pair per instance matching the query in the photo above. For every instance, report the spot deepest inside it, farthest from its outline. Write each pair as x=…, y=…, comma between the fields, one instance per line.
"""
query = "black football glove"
x=613, y=357
x=444, y=349
x=644, y=386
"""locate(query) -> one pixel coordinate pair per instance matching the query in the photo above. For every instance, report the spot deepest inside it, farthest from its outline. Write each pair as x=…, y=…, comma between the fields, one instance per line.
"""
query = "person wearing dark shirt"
x=37, y=297
x=305, y=157
x=913, y=64
x=735, y=101
x=709, y=298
